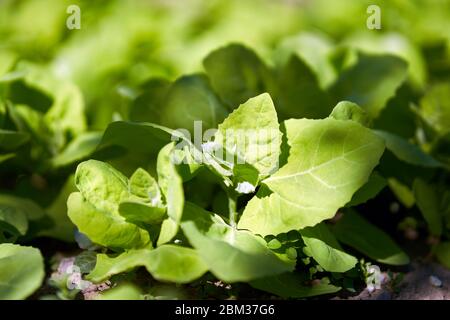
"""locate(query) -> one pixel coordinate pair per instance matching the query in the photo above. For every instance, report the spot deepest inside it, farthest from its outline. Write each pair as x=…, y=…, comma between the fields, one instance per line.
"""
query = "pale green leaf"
x=21, y=271
x=329, y=160
x=325, y=249
x=231, y=255
x=78, y=149
x=165, y=263
x=171, y=186
x=252, y=130
x=106, y=228
x=346, y=110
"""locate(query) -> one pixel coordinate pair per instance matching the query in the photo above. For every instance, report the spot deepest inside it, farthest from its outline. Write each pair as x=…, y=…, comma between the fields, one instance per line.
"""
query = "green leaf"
x=329, y=160
x=189, y=99
x=95, y=209
x=435, y=107
x=236, y=73
x=148, y=105
x=171, y=186
x=78, y=149
x=137, y=212
x=368, y=191
x=21, y=271
x=298, y=94
x=290, y=285
x=105, y=228
x=442, y=252
x=354, y=231
x=346, y=110
x=325, y=249
x=126, y=137
x=406, y=151
x=13, y=222
x=371, y=82
x=231, y=255
x=28, y=207
x=66, y=115
x=428, y=201
x=145, y=187
x=165, y=263
x=101, y=185
x=313, y=48
x=253, y=130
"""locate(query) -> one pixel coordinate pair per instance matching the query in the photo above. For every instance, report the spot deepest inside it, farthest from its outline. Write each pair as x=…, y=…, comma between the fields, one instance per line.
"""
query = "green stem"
x=232, y=206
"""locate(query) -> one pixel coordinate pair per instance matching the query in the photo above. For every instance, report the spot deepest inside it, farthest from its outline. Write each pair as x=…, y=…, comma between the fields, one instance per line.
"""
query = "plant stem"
x=232, y=205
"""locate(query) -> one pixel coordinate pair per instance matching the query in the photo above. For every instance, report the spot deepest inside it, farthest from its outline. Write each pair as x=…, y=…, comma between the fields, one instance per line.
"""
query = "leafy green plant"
x=182, y=150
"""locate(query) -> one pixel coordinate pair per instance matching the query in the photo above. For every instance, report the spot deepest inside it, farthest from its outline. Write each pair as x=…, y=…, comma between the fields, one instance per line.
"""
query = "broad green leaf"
x=145, y=204
x=368, y=191
x=189, y=99
x=124, y=137
x=106, y=228
x=101, y=185
x=442, y=252
x=236, y=74
x=165, y=263
x=62, y=227
x=171, y=186
x=329, y=160
x=137, y=212
x=28, y=207
x=21, y=271
x=66, y=115
x=145, y=187
x=354, y=231
x=371, y=82
x=346, y=110
x=407, y=151
x=148, y=105
x=435, y=107
x=324, y=248
x=297, y=92
x=10, y=140
x=313, y=48
x=290, y=285
x=395, y=44
x=13, y=222
x=231, y=255
x=428, y=201
x=78, y=149
x=252, y=130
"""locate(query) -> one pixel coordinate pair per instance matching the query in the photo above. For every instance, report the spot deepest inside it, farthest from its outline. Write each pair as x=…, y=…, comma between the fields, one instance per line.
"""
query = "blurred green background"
x=123, y=43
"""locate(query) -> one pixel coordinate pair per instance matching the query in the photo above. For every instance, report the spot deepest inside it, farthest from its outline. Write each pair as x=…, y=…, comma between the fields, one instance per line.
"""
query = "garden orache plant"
x=300, y=177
